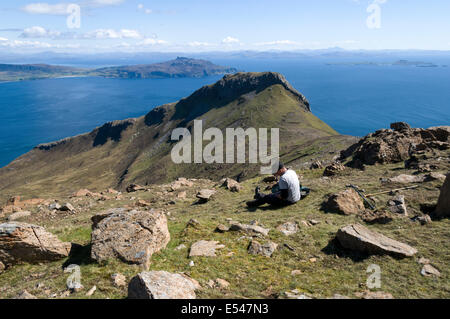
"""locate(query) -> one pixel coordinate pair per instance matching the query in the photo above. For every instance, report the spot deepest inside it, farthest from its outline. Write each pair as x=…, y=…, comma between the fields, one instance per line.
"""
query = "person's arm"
x=284, y=192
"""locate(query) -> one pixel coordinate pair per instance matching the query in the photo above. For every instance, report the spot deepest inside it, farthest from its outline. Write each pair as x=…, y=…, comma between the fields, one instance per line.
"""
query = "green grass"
x=335, y=270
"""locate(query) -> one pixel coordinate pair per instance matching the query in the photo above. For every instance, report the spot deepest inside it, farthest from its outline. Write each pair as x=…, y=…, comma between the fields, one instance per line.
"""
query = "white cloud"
x=112, y=34
x=26, y=44
x=151, y=41
x=39, y=32
x=45, y=8
x=230, y=40
x=3, y=39
x=61, y=8
x=140, y=6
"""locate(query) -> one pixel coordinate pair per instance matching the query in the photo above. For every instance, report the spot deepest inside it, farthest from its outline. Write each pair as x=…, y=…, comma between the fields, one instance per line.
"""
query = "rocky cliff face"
x=397, y=144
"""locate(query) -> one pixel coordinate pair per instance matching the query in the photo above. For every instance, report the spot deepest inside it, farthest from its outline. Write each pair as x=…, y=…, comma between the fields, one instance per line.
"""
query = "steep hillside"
x=138, y=150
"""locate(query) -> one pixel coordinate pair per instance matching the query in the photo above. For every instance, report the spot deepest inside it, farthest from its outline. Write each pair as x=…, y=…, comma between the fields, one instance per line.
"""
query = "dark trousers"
x=271, y=199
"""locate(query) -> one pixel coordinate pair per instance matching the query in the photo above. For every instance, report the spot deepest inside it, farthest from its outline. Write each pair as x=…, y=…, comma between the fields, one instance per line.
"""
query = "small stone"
x=429, y=270
x=424, y=261
x=18, y=215
x=314, y=222
x=119, y=280
x=205, y=248
x=180, y=247
x=296, y=272
x=142, y=203
x=25, y=295
x=191, y=263
x=288, y=228
x=222, y=228
x=267, y=249
x=374, y=295
x=91, y=291
x=67, y=207
x=53, y=206
x=313, y=260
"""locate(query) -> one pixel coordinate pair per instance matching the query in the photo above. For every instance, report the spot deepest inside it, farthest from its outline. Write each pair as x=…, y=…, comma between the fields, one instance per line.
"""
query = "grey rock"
x=162, y=285
x=205, y=248
x=359, y=238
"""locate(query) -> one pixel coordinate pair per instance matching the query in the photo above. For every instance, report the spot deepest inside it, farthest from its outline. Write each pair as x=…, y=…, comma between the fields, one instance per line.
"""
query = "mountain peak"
x=230, y=88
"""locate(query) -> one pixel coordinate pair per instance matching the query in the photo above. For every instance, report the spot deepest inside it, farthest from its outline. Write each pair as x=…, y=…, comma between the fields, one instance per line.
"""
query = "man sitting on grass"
x=288, y=194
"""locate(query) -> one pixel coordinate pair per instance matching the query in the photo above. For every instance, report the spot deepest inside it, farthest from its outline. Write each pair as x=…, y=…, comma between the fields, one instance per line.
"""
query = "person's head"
x=281, y=169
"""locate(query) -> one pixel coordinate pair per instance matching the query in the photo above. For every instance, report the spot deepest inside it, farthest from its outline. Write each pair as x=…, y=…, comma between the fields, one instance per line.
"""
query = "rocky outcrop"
x=162, y=285
x=231, y=87
x=359, y=238
x=131, y=236
x=397, y=144
x=443, y=205
x=346, y=202
x=21, y=242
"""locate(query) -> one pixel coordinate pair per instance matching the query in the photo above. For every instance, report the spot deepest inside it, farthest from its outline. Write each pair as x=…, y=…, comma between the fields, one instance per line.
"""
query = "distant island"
x=419, y=64
x=181, y=67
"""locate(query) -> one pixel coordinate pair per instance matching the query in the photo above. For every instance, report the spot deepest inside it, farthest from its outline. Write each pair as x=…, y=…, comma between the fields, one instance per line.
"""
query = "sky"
x=213, y=25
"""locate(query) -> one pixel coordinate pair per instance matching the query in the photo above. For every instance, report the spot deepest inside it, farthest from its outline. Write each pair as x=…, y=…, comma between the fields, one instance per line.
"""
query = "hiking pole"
x=392, y=190
x=356, y=188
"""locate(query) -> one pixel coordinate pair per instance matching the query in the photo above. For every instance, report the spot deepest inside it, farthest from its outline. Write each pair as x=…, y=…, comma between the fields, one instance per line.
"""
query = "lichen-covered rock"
x=346, y=202
x=231, y=185
x=162, y=285
x=131, y=236
x=266, y=249
x=359, y=238
x=21, y=242
x=397, y=144
x=250, y=229
x=288, y=228
x=205, y=248
x=333, y=169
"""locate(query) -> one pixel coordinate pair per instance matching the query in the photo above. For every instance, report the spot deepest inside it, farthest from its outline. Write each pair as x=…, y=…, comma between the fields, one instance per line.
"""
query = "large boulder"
x=162, y=285
x=359, y=238
x=21, y=242
x=443, y=205
x=131, y=236
x=346, y=202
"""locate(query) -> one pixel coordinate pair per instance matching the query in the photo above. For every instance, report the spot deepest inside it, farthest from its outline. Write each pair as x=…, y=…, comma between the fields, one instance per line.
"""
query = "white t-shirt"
x=289, y=181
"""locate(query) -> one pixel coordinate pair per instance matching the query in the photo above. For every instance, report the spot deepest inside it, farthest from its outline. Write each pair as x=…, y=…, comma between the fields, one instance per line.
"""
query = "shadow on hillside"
x=335, y=248
x=79, y=255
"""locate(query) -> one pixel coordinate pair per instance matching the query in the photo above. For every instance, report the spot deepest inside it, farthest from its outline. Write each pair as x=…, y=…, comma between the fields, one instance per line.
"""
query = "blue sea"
x=353, y=99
